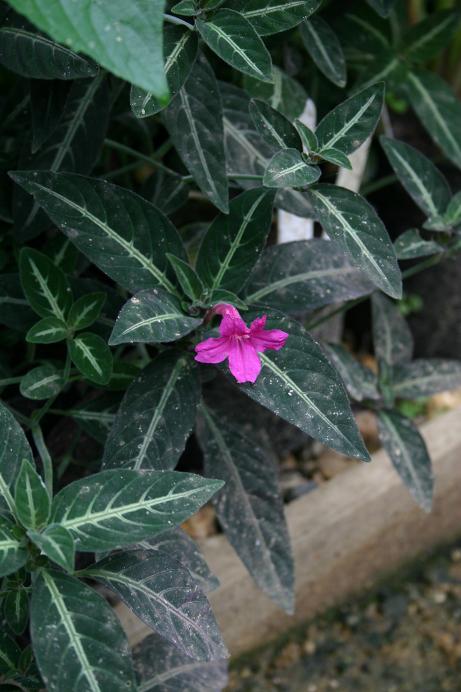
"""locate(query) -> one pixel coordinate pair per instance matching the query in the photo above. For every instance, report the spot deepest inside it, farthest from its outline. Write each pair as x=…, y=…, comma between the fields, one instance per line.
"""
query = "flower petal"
x=258, y=324
x=244, y=362
x=264, y=339
x=212, y=350
x=233, y=325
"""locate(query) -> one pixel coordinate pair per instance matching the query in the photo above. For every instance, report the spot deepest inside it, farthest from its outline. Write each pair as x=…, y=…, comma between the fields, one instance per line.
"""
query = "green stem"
x=376, y=185
x=118, y=146
x=38, y=415
x=45, y=457
x=10, y=380
x=176, y=20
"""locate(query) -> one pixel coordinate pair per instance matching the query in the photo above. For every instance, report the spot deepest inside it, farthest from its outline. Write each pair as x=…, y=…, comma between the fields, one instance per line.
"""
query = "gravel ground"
x=404, y=637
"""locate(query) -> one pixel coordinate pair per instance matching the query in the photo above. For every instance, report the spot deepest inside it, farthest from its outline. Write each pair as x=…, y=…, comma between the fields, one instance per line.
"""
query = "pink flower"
x=239, y=343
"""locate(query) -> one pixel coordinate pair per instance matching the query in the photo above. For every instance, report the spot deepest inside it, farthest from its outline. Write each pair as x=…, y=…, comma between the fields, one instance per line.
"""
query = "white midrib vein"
x=45, y=291
x=44, y=382
x=243, y=141
x=127, y=246
x=405, y=455
x=297, y=278
x=169, y=62
x=148, y=685
x=425, y=194
x=430, y=35
x=74, y=637
x=151, y=320
x=158, y=413
x=349, y=125
x=8, y=544
x=88, y=355
x=290, y=169
x=235, y=47
x=320, y=46
x=264, y=11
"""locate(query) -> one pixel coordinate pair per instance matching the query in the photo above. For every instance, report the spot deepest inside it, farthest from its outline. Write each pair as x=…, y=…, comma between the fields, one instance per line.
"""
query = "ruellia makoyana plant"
x=146, y=147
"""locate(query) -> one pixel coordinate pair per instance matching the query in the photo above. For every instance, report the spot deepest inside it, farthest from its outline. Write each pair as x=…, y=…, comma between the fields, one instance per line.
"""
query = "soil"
x=403, y=637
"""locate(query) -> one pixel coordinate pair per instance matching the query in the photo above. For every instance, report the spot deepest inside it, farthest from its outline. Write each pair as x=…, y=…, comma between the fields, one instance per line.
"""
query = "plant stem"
x=45, y=457
x=10, y=380
x=176, y=20
x=118, y=146
x=376, y=185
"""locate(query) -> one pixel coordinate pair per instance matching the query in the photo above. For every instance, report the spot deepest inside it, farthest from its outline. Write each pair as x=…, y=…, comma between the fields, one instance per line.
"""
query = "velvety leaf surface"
x=124, y=235
x=273, y=16
x=354, y=225
x=162, y=667
x=13, y=449
x=86, y=310
x=424, y=182
x=250, y=507
x=124, y=38
x=287, y=168
x=162, y=592
x=91, y=355
x=360, y=382
x=392, y=338
x=13, y=554
x=31, y=498
x=187, y=277
x=74, y=625
x=156, y=416
x=323, y=46
x=56, y=543
x=233, y=242
x=49, y=330
x=16, y=610
x=45, y=285
x=430, y=36
x=41, y=382
x=303, y=275
x=299, y=384
x=284, y=93
x=410, y=245
x=119, y=507
x=274, y=127
x=424, y=377
x=408, y=453
x=194, y=121
x=95, y=417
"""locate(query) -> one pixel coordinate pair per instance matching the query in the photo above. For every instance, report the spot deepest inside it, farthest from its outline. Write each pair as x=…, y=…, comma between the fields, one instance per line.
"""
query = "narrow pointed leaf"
x=337, y=157
x=124, y=235
x=274, y=127
x=439, y=110
x=44, y=284
x=49, y=330
x=233, y=242
x=95, y=417
x=424, y=182
x=361, y=383
x=125, y=39
x=299, y=384
x=162, y=401
x=348, y=125
x=323, y=46
x=452, y=214
x=13, y=553
x=309, y=138
x=16, y=610
x=392, y=338
x=9, y=655
x=42, y=382
x=425, y=377
x=430, y=36
x=287, y=168
x=194, y=121
x=250, y=507
x=187, y=277
x=118, y=507
x=234, y=39
x=152, y=316
x=304, y=275
x=284, y=93
x=180, y=51
x=57, y=544
x=186, y=8
x=88, y=639
x=91, y=355
x=162, y=592
x=86, y=310
x=166, y=192
x=13, y=449
x=37, y=57
x=383, y=7
x=408, y=453
x=353, y=223
x=410, y=245
x=159, y=663
x=31, y=498
x=47, y=103
x=273, y=16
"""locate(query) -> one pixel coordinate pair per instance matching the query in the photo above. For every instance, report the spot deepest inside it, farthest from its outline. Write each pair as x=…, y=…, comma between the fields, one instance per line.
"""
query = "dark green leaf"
x=234, y=242
x=284, y=93
x=220, y=295
x=410, y=245
x=127, y=40
x=273, y=16
x=180, y=51
x=308, y=137
x=348, y=125
x=119, y=507
x=234, y=39
x=383, y=7
x=95, y=417
x=299, y=384
x=361, y=383
x=353, y=223
x=408, y=453
x=42, y=382
x=430, y=36
x=425, y=377
x=16, y=610
x=250, y=507
x=33, y=55
x=87, y=638
x=156, y=416
x=9, y=654
x=274, y=127
x=13, y=449
x=160, y=591
x=31, y=498
x=49, y=330
x=186, y=8
x=304, y=275
x=337, y=157
x=57, y=544
x=387, y=67
x=422, y=180
x=187, y=278
x=392, y=338
x=159, y=663
x=124, y=235
x=452, y=216
x=91, y=355
x=47, y=103
x=323, y=46
x=15, y=312
x=287, y=168
x=167, y=192
x=13, y=553
x=86, y=310
x=439, y=110
x=44, y=284
x=194, y=121
x=153, y=316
